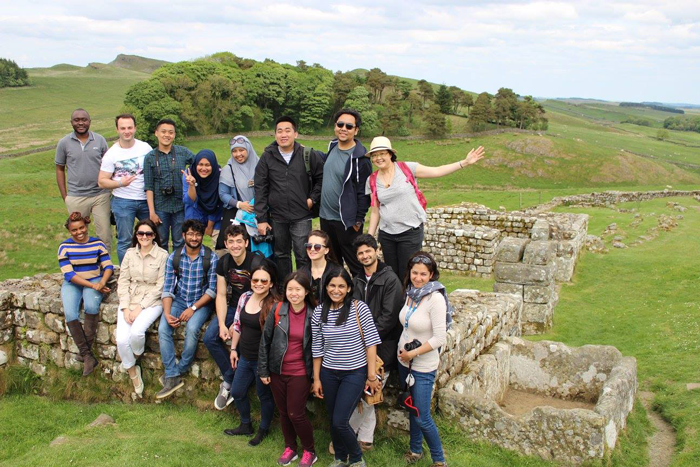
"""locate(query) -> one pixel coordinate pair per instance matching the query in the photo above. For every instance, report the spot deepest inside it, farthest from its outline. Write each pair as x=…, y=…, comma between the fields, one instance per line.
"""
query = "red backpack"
x=409, y=178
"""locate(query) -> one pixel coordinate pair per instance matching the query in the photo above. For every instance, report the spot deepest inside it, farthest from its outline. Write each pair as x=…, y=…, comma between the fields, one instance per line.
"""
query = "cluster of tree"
x=637, y=121
x=683, y=123
x=11, y=75
x=223, y=93
x=662, y=108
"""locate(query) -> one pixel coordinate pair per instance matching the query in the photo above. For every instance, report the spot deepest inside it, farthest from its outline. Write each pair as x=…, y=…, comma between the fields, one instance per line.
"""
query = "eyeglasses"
x=349, y=126
x=259, y=281
x=194, y=234
x=314, y=246
x=421, y=259
x=240, y=140
x=143, y=233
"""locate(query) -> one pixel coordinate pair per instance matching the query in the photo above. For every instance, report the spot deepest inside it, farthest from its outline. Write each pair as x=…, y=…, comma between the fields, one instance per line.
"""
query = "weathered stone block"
x=5, y=319
x=71, y=361
x=40, y=336
x=106, y=351
x=539, y=293
x=102, y=336
x=3, y=357
x=31, y=301
x=19, y=317
x=511, y=249
x=54, y=322
x=503, y=287
x=109, y=313
x=27, y=350
x=540, y=252
x=57, y=356
x=536, y=318
x=540, y=230
x=520, y=273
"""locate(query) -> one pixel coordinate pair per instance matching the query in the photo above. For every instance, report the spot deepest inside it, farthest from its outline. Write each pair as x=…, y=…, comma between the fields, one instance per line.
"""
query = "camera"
x=267, y=238
x=167, y=191
x=413, y=345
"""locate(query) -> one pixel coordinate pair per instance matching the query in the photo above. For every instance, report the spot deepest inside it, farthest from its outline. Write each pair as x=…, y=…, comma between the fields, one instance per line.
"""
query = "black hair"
x=80, y=109
x=148, y=222
x=116, y=119
x=421, y=257
x=76, y=216
x=166, y=121
x=365, y=239
x=286, y=118
x=327, y=239
x=193, y=224
x=345, y=309
x=273, y=295
x=303, y=279
x=235, y=230
x=353, y=112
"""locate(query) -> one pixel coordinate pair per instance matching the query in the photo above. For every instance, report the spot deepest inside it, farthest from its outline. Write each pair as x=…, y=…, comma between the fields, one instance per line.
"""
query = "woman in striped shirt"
x=344, y=347
x=86, y=268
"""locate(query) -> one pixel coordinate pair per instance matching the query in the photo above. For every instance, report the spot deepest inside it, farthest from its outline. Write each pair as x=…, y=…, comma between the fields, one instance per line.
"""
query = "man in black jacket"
x=286, y=193
x=380, y=288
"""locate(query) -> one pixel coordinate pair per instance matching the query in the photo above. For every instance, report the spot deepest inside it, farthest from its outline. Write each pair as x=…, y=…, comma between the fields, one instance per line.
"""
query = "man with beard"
x=190, y=286
x=78, y=159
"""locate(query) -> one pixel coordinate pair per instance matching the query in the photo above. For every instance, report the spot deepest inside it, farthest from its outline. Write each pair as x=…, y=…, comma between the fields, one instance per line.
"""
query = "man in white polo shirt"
x=122, y=172
x=78, y=158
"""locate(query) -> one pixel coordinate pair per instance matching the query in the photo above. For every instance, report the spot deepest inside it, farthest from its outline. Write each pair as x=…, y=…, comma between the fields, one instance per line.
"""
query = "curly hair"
x=76, y=216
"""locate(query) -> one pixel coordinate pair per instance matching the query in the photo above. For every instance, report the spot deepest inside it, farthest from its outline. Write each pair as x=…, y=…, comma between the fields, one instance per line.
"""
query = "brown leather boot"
x=91, y=329
x=89, y=361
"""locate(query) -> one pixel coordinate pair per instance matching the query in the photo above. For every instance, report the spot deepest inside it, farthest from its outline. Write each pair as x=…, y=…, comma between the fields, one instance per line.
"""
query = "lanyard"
x=172, y=163
x=411, y=310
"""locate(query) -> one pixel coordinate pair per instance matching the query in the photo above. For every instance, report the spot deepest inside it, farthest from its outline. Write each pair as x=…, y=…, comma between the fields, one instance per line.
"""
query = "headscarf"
x=244, y=173
x=207, y=188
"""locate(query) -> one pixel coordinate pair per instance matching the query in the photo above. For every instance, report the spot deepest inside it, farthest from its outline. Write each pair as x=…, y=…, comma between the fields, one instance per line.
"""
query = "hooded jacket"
x=354, y=203
x=275, y=339
x=384, y=296
x=281, y=190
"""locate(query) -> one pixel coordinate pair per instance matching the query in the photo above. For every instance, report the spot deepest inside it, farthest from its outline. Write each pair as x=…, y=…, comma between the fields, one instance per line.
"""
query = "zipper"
x=340, y=198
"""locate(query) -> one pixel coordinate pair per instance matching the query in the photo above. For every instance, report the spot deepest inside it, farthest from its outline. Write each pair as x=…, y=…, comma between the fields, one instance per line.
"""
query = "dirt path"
x=663, y=442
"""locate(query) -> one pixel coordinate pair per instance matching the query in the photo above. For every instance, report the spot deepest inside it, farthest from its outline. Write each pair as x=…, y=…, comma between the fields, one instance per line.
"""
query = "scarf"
x=240, y=176
x=207, y=188
x=417, y=294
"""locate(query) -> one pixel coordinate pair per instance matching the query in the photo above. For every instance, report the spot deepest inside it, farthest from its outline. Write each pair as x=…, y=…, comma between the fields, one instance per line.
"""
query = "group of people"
x=316, y=328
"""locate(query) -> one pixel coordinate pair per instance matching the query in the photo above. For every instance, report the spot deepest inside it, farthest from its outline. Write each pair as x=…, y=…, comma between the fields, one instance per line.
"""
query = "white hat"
x=380, y=143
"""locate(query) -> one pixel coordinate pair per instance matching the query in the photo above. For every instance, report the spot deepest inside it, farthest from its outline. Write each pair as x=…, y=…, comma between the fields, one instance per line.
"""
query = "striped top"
x=341, y=346
x=86, y=260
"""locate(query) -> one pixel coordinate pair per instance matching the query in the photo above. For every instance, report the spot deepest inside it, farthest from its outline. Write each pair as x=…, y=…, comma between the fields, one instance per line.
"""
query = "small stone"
x=3, y=357
x=102, y=420
x=58, y=441
x=692, y=386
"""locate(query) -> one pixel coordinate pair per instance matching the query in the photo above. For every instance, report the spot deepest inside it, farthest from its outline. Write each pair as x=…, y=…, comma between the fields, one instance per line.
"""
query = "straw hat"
x=381, y=143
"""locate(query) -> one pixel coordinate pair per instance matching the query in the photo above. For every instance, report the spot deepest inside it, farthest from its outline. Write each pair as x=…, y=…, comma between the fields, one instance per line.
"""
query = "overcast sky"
x=633, y=51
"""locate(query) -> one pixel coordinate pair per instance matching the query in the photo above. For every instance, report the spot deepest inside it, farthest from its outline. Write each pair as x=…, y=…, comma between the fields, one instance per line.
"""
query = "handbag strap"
x=359, y=325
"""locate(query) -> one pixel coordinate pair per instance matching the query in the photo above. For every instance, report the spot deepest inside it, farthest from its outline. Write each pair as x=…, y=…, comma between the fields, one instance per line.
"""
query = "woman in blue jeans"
x=424, y=319
x=344, y=343
x=246, y=332
x=86, y=268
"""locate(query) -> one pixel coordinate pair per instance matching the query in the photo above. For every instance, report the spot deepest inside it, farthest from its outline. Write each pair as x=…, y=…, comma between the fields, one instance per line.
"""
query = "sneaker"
x=288, y=456
x=438, y=464
x=241, y=430
x=366, y=446
x=223, y=399
x=171, y=385
x=412, y=457
x=259, y=437
x=360, y=463
x=308, y=459
x=138, y=382
x=338, y=463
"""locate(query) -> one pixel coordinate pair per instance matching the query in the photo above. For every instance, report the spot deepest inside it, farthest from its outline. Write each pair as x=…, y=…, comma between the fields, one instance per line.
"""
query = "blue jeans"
x=171, y=226
x=125, y=212
x=423, y=426
x=288, y=236
x=218, y=348
x=72, y=294
x=165, y=338
x=342, y=390
x=246, y=375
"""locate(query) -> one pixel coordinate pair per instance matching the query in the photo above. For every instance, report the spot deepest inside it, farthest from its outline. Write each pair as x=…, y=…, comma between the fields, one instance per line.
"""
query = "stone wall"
x=526, y=268
x=595, y=374
x=608, y=198
x=477, y=229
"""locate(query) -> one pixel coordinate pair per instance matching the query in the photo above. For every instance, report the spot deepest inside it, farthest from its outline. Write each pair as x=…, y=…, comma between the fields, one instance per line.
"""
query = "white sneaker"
x=223, y=399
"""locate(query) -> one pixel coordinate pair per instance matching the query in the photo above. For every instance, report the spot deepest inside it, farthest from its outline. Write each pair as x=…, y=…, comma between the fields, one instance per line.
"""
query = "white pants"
x=131, y=338
x=364, y=423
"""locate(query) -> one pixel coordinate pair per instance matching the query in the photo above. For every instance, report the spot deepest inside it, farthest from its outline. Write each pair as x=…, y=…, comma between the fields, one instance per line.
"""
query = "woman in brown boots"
x=86, y=268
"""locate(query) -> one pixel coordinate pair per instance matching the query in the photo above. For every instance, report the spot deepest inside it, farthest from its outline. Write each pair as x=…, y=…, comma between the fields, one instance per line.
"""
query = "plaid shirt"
x=189, y=284
x=155, y=180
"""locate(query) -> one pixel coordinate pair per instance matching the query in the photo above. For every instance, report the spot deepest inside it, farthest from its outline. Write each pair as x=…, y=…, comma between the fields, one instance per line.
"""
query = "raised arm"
x=474, y=156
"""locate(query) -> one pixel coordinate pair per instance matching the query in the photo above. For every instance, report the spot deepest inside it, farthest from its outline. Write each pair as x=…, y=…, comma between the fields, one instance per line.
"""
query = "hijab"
x=207, y=188
x=240, y=176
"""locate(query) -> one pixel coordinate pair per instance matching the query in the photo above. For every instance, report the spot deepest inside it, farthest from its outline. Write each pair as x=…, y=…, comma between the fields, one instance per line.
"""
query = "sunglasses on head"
x=142, y=233
x=314, y=246
x=261, y=281
x=236, y=140
x=349, y=126
x=421, y=259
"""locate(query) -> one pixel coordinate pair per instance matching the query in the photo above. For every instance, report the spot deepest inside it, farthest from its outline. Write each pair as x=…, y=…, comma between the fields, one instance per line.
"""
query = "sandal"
x=138, y=388
x=412, y=457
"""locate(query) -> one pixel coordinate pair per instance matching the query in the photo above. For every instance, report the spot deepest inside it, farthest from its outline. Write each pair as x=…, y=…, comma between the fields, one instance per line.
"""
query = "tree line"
x=683, y=123
x=11, y=75
x=223, y=93
x=662, y=108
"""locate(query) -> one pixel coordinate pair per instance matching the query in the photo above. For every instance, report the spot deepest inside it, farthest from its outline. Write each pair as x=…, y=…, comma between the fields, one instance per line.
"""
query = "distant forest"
x=223, y=93
x=11, y=75
x=662, y=108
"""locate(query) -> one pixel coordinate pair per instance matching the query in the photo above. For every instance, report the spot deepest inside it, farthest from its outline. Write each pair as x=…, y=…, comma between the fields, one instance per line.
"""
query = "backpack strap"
x=373, y=188
x=206, y=264
x=411, y=179
x=277, y=313
x=176, y=261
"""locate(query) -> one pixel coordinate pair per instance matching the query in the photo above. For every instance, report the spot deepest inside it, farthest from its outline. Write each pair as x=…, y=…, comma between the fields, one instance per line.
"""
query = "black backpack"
x=206, y=264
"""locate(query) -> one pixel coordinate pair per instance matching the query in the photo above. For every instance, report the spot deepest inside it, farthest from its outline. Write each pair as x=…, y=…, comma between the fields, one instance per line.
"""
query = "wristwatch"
x=194, y=307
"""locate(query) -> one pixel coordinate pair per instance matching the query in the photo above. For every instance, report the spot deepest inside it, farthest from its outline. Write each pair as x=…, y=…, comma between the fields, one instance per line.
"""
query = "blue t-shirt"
x=333, y=171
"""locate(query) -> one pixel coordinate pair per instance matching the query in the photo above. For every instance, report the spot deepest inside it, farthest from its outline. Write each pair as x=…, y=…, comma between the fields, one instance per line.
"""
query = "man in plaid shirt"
x=162, y=177
x=187, y=296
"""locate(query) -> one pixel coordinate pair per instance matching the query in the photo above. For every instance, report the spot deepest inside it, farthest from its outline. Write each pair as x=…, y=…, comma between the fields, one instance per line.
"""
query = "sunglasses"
x=142, y=233
x=421, y=259
x=259, y=281
x=240, y=140
x=349, y=126
x=314, y=246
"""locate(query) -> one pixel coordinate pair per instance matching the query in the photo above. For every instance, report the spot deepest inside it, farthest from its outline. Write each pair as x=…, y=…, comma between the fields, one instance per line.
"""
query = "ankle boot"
x=259, y=436
x=89, y=361
x=91, y=329
x=243, y=429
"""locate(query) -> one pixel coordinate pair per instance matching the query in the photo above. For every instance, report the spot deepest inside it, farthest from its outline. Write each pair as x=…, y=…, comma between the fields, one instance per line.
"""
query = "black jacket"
x=274, y=341
x=384, y=296
x=281, y=190
x=354, y=203
x=320, y=294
